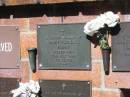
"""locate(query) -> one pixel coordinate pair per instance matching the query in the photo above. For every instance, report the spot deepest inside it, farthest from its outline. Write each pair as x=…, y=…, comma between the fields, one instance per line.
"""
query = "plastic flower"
x=29, y=89
x=108, y=18
x=100, y=26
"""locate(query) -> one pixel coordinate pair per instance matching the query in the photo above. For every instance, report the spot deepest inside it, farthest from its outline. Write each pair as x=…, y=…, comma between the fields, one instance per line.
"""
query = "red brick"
x=19, y=2
x=78, y=19
x=25, y=74
x=93, y=75
x=43, y=20
x=96, y=53
x=58, y=20
x=118, y=80
x=26, y=2
x=98, y=93
x=28, y=40
x=63, y=1
x=22, y=23
x=55, y=1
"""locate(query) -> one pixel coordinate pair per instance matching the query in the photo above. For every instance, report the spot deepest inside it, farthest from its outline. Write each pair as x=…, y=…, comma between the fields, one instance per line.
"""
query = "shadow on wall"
x=125, y=92
x=66, y=9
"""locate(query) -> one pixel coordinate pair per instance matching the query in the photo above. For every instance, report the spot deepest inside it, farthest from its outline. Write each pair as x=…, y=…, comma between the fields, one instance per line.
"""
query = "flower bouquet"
x=100, y=28
x=29, y=89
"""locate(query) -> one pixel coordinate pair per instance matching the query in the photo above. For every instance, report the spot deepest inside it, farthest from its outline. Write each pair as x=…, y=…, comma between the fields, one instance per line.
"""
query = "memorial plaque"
x=63, y=46
x=121, y=48
x=65, y=88
x=6, y=85
x=9, y=47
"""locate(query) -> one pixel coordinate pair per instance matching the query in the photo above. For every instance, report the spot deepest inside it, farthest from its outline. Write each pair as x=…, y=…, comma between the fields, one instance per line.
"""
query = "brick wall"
x=27, y=18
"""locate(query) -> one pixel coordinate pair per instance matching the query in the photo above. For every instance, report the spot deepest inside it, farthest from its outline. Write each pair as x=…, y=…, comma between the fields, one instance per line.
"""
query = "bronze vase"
x=106, y=59
x=32, y=52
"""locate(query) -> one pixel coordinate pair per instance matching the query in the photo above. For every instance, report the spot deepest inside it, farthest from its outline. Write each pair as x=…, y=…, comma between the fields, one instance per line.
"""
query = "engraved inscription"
x=64, y=49
x=5, y=47
x=127, y=46
x=9, y=47
x=63, y=46
x=127, y=42
x=121, y=49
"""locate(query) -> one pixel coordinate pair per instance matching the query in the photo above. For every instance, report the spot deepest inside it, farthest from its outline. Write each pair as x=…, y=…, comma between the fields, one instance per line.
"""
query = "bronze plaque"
x=9, y=47
x=6, y=85
x=65, y=88
x=63, y=46
x=121, y=48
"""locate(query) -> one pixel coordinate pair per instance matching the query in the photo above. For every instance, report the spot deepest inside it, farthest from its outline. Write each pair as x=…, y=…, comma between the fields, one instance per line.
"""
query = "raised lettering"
x=6, y=47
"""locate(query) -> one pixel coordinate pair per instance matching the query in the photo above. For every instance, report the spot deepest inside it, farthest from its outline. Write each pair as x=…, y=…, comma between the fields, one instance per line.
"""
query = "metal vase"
x=32, y=52
x=106, y=59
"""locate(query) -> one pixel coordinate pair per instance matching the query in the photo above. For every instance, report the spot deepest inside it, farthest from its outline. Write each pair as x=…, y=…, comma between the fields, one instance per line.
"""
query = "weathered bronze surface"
x=121, y=48
x=9, y=47
x=63, y=46
x=6, y=85
x=65, y=88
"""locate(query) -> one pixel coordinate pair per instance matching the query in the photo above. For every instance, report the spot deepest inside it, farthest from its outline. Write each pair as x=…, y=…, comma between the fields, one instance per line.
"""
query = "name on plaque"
x=64, y=49
x=63, y=46
x=121, y=48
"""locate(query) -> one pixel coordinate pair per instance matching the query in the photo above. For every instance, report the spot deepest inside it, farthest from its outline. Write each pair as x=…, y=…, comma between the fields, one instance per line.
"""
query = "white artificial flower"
x=29, y=89
x=34, y=86
x=90, y=28
x=16, y=92
x=111, y=19
x=20, y=90
x=108, y=18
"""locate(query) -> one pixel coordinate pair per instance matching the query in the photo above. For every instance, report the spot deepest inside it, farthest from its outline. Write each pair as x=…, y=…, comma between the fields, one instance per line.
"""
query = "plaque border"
x=116, y=66
x=41, y=67
x=16, y=66
x=87, y=81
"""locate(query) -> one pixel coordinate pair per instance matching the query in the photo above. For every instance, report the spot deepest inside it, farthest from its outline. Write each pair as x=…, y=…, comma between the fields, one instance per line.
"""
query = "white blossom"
x=33, y=86
x=111, y=19
x=108, y=18
x=29, y=89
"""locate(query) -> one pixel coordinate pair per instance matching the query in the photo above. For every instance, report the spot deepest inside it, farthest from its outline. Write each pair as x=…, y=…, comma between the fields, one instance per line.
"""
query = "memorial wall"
x=66, y=63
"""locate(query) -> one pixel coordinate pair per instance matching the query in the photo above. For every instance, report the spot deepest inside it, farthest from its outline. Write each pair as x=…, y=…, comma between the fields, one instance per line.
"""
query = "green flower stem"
x=103, y=41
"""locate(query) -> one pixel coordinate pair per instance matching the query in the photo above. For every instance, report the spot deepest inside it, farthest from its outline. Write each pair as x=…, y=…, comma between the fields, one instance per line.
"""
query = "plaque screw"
x=87, y=66
x=38, y=26
x=16, y=28
x=17, y=65
x=40, y=81
x=114, y=67
x=88, y=82
x=40, y=65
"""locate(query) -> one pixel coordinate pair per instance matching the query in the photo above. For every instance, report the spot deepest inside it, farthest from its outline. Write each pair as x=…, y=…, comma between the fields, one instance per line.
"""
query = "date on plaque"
x=63, y=46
